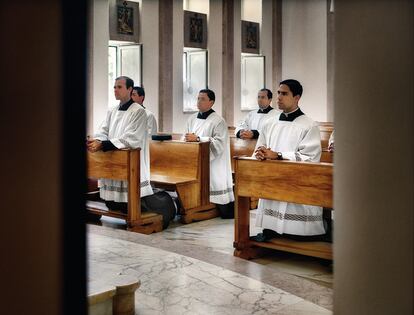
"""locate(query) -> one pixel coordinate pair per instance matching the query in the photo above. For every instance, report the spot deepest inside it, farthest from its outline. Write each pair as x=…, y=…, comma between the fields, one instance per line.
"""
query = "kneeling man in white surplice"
x=125, y=127
x=207, y=125
x=295, y=137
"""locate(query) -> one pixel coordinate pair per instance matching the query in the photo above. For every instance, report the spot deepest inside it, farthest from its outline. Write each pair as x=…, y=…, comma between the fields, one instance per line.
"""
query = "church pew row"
x=240, y=147
x=123, y=165
x=279, y=180
x=184, y=167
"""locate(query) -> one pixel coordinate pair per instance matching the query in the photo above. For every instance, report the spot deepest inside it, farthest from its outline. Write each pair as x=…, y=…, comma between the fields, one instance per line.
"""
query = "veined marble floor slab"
x=176, y=284
x=217, y=235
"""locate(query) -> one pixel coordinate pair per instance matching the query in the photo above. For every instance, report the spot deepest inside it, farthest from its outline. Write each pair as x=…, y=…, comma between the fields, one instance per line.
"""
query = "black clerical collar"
x=291, y=116
x=265, y=111
x=205, y=114
x=126, y=105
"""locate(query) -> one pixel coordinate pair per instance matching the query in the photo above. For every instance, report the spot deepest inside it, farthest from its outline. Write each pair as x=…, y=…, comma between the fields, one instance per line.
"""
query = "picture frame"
x=195, y=29
x=250, y=40
x=124, y=21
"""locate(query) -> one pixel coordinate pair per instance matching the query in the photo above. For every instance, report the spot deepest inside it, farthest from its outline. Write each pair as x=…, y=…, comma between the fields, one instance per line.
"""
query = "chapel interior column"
x=373, y=179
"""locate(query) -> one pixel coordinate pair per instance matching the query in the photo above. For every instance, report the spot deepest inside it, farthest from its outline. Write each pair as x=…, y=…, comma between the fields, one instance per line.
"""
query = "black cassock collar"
x=205, y=114
x=291, y=116
x=126, y=105
x=265, y=111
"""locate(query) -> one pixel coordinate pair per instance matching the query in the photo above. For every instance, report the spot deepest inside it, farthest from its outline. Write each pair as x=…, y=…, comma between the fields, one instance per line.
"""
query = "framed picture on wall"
x=195, y=30
x=124, y=21
x=250, y=40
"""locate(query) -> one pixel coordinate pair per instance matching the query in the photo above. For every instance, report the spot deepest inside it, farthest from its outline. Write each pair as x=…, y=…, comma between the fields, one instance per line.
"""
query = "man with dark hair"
x=293, y=137
x=125, y=127
x=138, y=96
x=207, y=125
x=294, y=86
x=129, y=83
x=249, y=128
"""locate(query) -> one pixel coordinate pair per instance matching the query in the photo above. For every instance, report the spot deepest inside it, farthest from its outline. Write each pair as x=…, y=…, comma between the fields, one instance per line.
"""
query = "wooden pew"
x=184, y=167
x=123, y=165
x=325, y=129
x=240, y=147
x=279, y=180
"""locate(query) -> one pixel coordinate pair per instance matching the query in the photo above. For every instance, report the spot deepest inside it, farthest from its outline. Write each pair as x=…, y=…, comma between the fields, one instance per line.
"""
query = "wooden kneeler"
x=298, y=182
x=123, y=165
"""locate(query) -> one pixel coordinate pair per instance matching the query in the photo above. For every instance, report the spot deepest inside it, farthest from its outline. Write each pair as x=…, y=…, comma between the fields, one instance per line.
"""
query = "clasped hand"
x=93, y=145
x=246, y=134
x=263, y=153
x=190, y=137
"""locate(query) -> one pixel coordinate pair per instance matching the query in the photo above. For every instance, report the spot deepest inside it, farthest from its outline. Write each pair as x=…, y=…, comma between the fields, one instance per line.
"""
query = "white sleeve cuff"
x=204, y=139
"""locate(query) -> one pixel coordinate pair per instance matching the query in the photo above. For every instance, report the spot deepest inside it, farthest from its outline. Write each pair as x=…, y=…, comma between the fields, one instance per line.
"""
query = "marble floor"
x=190, y=269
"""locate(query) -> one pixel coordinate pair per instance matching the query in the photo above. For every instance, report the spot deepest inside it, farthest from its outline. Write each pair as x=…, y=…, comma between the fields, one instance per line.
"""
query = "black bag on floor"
x=160, y=202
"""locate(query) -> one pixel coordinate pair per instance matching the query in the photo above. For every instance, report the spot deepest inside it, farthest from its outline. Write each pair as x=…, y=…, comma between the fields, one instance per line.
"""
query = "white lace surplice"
x=298, y=140
x=214, y=129
x=126, y=129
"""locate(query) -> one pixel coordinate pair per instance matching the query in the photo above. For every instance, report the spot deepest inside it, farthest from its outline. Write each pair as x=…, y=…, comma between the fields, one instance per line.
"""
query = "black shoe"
x=259, y=238
x=226, y=211
x=121, y=207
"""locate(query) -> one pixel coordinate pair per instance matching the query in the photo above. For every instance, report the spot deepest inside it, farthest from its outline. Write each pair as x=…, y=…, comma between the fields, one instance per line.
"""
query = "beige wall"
x=150, y=47
x=304, y=52
x=251, y=10
x=196, y=6
x=238, y=114
x=99, y=74
x=266, y=42
x=214, y=46
x=373, y=252
x=179, y=118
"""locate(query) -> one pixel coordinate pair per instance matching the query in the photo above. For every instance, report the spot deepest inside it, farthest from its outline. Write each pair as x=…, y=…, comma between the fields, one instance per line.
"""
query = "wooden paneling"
x=327, y=157
x=175, y=159
x=113, y=164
